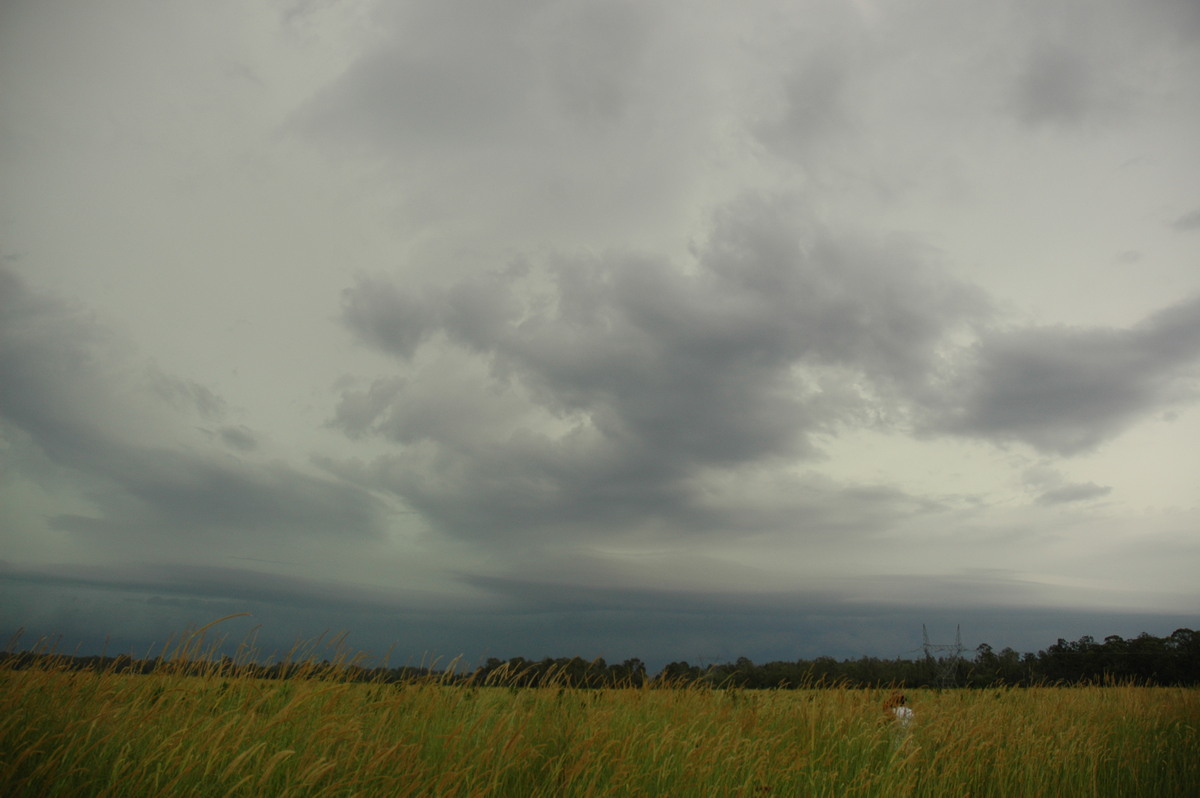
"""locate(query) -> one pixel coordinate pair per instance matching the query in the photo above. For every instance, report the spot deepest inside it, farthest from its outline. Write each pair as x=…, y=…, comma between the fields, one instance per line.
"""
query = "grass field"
x=89, y=733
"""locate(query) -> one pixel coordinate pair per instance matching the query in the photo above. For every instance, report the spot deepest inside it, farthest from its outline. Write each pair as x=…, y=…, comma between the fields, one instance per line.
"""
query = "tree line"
x=1145, y=660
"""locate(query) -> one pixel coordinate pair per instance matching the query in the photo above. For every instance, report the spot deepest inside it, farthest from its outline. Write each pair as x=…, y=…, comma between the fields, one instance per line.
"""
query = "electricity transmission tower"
x=944, y=657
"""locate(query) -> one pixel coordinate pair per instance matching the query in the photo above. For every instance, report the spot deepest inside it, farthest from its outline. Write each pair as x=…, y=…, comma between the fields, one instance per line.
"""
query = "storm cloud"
x=606, y=391
x=600, y=328
x=1067, y=390
x=607, y=387
x=73, y=393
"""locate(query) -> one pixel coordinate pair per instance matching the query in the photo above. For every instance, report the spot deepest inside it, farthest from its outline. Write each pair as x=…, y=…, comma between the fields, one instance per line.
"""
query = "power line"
x=945, y=657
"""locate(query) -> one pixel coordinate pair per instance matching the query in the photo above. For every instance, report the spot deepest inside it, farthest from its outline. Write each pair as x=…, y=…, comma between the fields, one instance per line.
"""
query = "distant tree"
x=825, y=670
x=1183, y=652
x=985, y=669
x=631, y=672
x=680, y=673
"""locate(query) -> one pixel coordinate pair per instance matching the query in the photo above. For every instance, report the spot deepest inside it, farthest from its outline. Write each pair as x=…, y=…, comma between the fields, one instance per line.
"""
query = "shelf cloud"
x=602, y=328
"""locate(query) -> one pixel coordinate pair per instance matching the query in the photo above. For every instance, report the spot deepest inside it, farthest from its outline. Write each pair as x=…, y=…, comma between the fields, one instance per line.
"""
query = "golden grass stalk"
x=197, y=731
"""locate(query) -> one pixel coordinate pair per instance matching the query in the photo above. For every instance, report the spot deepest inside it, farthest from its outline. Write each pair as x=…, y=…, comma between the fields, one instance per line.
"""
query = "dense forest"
x=1144, y=660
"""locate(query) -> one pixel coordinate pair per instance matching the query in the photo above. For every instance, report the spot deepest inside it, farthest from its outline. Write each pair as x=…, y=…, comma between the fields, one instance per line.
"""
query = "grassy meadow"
x=224, y=733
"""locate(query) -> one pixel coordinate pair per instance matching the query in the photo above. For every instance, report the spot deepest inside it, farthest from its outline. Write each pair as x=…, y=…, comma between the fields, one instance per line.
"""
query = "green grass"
x=86, y=733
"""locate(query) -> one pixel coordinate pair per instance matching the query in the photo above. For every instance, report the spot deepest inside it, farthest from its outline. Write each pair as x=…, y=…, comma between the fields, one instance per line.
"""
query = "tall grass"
x=223, y=732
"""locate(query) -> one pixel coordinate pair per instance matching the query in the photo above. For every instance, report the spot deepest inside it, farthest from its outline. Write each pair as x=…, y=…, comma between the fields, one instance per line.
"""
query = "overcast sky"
x=657, y=329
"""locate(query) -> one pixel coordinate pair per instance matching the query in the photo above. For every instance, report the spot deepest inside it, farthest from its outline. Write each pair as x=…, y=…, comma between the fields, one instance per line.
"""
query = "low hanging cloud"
x=619, y=392
x=613, y=384
x=1059, y=86
x=1075, y=492
x=1066, y=390
x=570, y=407
x=120, y=433
x=1187, y=222
x=813, y=107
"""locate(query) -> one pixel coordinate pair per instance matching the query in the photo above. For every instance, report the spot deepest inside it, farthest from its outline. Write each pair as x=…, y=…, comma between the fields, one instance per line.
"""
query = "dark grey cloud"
x=593, y=54
x=1187, y=222
x=189, y=395
x=648, y=373
x=611, y=405
x=615, y=391
x=446, y=75
x=232, y=584
x=463, y=75
x=140, y=611
x=46, y=350
x=78, y=396
x=1095, y=64
x=584, y=120
x=1058, y=86
x=814, y=106
x=1066, y=390
x=160, y=494
x=378, y=313
x=533, y=591
x=1177, y=19
x=1075, y=492
x=359, y=411
x=240, y=437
